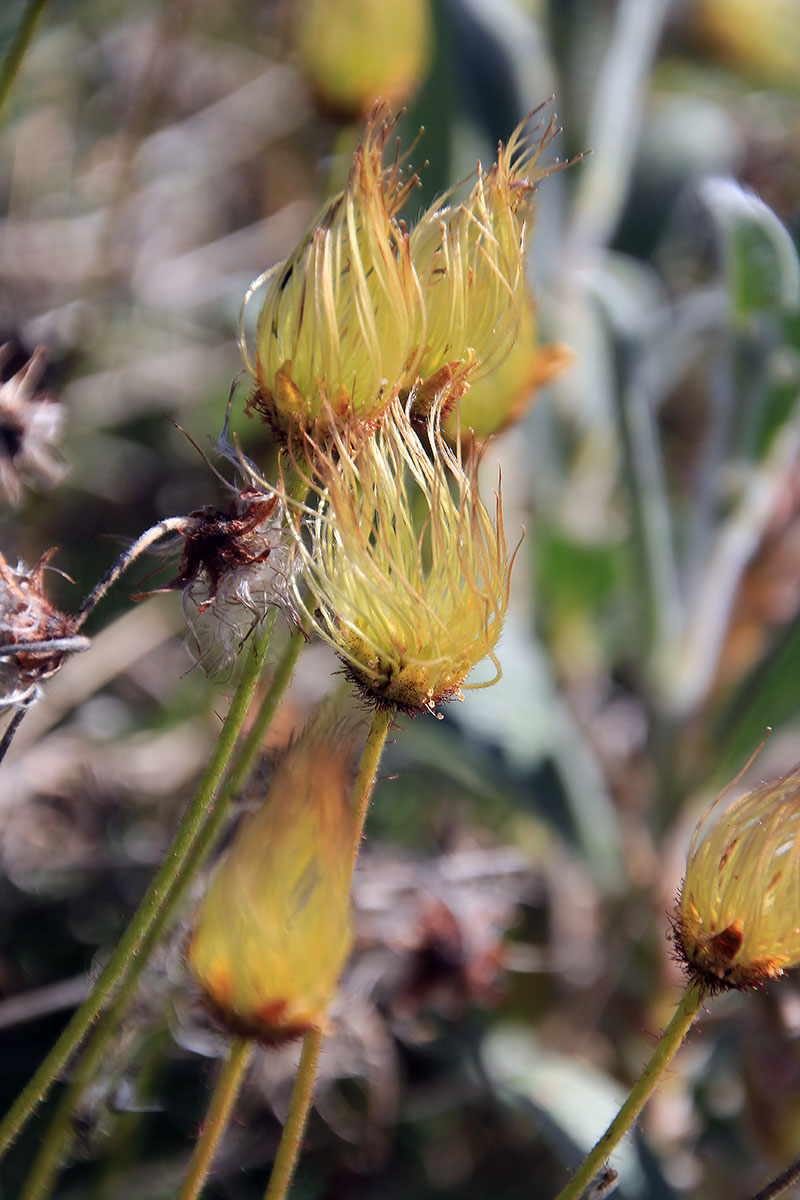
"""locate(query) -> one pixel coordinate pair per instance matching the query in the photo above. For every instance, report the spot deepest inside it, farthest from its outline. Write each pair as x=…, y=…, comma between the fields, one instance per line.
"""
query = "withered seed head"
x=30, y=425
x=27, y=618
x=235, y=566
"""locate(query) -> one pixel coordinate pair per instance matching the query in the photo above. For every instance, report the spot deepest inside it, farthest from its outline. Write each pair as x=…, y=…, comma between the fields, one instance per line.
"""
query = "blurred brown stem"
x=780, y=1183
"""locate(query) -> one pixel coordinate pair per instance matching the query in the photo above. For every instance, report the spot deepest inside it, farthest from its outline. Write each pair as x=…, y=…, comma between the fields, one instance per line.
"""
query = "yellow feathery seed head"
x=273, y=931
x=501, y=398
x=339, y=319
x=737, y=921
x=470, y=262
x=407, y=572
x=353, y=51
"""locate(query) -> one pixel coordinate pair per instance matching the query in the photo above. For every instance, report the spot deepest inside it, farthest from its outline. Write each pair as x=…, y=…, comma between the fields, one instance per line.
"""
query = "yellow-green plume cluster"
x=407, y=572
x=363, y=312
x=338, y=321
x=273, y=931
x=737, y=921
x=495, y=401
x=470, y=259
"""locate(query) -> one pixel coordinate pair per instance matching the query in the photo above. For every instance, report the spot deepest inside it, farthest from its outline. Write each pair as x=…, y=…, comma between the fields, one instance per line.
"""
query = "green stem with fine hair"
x=129, y=953
x=662, y=1056
x=289, y=1148
x=40, y=1181
x=228, y=1087
x=19, y=44
x=367, y=772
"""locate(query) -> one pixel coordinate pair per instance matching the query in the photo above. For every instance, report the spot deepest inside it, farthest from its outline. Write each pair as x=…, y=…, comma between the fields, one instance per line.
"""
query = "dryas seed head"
x=273, y=931
x=35, y=637
x=339, y=320
x=470, y=261
x=407, y=572
x=737, y=921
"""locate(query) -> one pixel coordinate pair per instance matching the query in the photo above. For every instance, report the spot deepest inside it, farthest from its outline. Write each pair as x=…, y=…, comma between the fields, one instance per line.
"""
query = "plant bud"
x=353, y=51
x=501, y=398
x=737, y=920
x=470, y=260
x=340, y=318
x=273, y=931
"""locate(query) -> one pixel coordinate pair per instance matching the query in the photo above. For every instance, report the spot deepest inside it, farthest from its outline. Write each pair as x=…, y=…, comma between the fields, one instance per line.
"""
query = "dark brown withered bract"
x=216, y=543
x=265, y=1028
x=712, y=964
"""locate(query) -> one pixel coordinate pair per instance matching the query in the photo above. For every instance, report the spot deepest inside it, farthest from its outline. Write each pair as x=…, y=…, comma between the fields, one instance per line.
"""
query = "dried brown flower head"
x=30, y=426
x=235, y=566
x=35, y=637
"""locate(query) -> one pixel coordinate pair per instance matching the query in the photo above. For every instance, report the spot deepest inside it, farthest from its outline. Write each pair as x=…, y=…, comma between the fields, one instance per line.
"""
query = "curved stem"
x=46, y=1166
x=142, y=543
x=151, y=914
x=289, y=1147
x=228, y=1087
x=662, y=1056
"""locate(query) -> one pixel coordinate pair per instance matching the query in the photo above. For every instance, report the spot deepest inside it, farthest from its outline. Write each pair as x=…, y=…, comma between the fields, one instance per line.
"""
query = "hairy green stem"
x=289, y=1147
x=129, y=954
x=55, y=1143
x=367, y=772
x=18, y=47
x=229, y=1084
x=668, y=1044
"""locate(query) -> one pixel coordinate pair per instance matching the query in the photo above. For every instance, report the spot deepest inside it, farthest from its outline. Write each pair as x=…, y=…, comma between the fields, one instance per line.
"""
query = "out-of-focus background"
x=513, y=966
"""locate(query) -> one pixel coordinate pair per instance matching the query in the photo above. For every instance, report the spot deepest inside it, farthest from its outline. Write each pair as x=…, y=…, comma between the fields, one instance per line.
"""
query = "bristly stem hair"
x=54, y=1143
x=229, y=1083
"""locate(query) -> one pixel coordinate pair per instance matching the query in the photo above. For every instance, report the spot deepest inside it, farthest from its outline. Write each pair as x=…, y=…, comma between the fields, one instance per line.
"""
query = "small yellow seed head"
x=353, y=51
x=339, y=319
x=470, y=262
x=495, y=401
x=273, y=931
x=407, y=572
x=737, y=920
